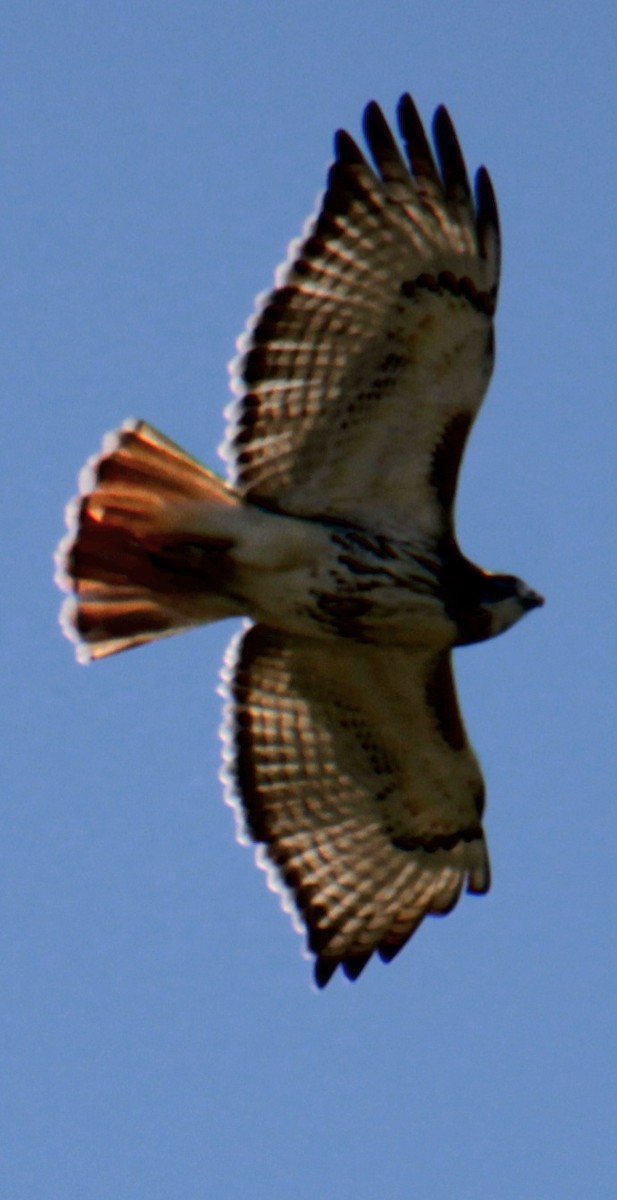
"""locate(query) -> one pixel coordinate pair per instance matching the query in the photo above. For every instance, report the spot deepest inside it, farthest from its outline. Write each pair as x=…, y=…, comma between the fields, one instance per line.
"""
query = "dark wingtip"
x=384, y=150
x=355, y=964
x=372, y=114
x=375, y=127
x=346, y=150
x=324, y=970
x=487, y=219
x=450, y=155
x=352, y=966
x=416, y=143
x=388, y=952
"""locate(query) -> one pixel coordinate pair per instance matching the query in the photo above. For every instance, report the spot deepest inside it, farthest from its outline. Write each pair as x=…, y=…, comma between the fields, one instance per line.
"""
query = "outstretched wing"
x=351, y=767
x=364, y=368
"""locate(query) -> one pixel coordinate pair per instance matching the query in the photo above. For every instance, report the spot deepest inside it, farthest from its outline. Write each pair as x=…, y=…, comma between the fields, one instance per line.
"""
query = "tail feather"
x=146, y=553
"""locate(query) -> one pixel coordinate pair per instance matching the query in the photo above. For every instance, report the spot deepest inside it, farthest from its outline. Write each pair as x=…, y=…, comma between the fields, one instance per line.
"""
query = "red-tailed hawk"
x=359, y=380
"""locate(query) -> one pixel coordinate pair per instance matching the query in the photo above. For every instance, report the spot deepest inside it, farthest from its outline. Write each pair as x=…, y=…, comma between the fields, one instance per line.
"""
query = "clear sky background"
x=160, y=1034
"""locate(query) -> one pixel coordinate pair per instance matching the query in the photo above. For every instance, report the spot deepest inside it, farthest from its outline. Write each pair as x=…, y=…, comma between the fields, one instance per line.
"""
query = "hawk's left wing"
x=351, y=767
x=364, y=368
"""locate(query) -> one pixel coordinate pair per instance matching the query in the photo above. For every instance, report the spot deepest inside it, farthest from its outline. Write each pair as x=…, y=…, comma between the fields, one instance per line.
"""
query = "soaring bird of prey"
x=358, y=381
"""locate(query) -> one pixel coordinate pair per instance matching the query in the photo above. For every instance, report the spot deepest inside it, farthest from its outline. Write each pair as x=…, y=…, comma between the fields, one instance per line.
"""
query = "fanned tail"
x=146, y=553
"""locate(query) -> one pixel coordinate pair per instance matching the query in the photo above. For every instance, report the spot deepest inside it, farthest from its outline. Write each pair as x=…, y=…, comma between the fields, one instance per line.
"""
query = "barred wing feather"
x=353, y=770
x=364, y=368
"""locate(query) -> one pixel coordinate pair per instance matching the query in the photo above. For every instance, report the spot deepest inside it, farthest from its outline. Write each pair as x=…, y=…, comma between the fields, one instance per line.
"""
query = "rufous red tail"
x=145, y=555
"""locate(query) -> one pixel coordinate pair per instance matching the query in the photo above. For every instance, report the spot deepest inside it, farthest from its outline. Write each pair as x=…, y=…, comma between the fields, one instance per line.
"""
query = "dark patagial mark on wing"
x=441, y=699
x=447, y=458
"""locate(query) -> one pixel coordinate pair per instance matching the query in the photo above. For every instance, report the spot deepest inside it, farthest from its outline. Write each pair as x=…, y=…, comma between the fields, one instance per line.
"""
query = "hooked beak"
x=532, y=599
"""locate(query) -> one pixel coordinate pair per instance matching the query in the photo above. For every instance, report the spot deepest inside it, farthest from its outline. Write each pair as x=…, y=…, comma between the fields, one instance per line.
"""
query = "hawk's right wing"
x=351, y=767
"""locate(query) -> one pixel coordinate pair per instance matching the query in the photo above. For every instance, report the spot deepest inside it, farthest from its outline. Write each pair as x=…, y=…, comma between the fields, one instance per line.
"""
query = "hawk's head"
x=499, y=601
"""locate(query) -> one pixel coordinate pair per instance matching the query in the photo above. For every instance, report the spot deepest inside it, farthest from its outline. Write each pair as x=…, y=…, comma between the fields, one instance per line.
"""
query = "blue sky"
x=160, y=1034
